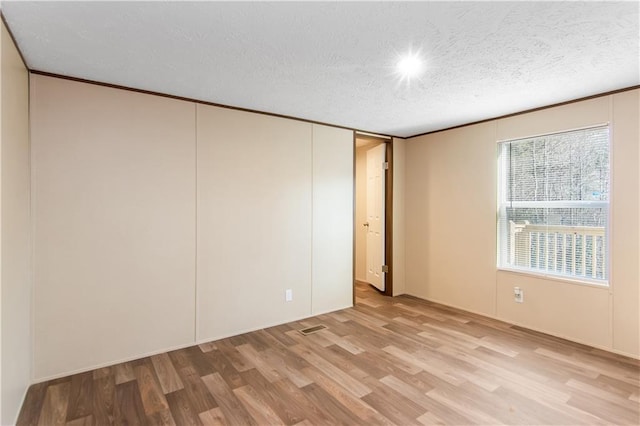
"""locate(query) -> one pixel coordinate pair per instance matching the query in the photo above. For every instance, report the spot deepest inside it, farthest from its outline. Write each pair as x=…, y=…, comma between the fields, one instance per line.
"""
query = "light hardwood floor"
x=387, y=361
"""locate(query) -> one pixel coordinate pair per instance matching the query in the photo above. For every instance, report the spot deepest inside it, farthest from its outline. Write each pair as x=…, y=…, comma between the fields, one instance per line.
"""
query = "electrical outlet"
x=518, y=294
x=288, y=295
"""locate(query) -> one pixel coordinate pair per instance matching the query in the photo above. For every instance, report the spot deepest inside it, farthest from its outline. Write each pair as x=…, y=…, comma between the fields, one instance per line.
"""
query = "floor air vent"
x=314, y=329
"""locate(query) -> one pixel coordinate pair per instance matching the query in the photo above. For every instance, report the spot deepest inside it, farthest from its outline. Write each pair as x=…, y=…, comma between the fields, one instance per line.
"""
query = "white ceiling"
x=334, y=62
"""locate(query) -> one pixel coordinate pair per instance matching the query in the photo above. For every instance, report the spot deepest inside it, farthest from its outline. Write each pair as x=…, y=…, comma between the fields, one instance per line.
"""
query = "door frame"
x=388, y=211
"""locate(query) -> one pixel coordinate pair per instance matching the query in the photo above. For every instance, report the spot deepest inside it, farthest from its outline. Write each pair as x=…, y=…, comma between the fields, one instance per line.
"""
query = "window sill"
x=567, y=280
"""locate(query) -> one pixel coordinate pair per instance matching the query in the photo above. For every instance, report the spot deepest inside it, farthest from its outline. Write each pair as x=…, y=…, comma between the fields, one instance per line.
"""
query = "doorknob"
x=366, y=224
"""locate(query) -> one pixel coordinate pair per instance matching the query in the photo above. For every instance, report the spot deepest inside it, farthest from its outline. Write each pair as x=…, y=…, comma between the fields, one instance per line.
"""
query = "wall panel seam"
x=195, y=290
x=313, y=221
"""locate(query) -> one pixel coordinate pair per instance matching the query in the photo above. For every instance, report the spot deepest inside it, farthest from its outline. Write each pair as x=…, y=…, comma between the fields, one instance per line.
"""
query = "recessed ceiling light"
x=410, y=65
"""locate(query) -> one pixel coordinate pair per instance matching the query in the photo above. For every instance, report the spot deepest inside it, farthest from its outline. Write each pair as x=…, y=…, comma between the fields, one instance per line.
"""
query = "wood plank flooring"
x=387, y=361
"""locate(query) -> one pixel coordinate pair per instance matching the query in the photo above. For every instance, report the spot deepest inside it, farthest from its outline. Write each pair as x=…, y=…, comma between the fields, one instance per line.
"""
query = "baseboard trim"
x=22, y=400
x=528, y=327
x=111, y=363
x=198, y=341
x=250, y=330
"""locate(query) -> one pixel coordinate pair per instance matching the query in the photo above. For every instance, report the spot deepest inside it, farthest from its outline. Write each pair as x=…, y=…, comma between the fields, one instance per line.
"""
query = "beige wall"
x=451, y=228
x=625, y=261
x=254, y=221
x=450, y=217
x=126, y=186
x=399, y=200
x=275, y=209
x=114, y=218
x=15, y=231
x=332, y=261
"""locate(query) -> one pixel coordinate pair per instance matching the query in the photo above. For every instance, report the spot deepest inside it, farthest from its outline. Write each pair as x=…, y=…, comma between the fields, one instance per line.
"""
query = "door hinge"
x=385, y=165
x=385, y=269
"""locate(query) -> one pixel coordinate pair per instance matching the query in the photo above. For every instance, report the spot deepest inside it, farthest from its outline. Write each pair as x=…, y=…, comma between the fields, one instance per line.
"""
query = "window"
x=553, y=195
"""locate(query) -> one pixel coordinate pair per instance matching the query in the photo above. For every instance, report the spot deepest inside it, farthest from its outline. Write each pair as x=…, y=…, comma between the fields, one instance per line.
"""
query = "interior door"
x=376, y=158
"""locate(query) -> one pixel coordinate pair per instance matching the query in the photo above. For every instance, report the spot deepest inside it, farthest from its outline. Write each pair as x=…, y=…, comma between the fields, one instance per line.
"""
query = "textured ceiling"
x=334, y=62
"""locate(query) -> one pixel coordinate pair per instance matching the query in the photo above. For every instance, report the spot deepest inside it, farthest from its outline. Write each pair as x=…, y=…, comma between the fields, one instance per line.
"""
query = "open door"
x=376, y=158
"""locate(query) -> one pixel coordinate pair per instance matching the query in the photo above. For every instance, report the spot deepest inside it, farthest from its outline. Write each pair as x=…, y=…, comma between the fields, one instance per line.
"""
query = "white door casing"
x=376, y=158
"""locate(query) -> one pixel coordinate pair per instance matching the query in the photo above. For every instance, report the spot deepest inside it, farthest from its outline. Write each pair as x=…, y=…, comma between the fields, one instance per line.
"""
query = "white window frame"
x=503, y=203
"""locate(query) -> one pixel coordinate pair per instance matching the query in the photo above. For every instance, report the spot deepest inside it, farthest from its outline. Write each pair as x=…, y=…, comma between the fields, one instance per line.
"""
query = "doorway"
x=373, y=185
